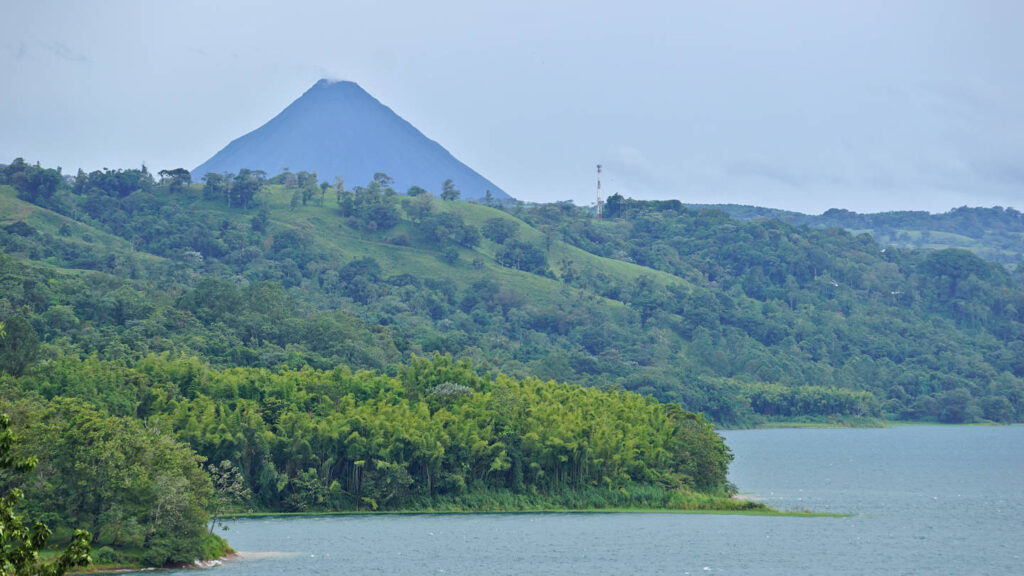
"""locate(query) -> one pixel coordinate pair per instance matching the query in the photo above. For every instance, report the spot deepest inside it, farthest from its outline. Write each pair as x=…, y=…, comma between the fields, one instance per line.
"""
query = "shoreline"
x=770, y=512
x=129, y=569
x=244, y=554
x=857, y=424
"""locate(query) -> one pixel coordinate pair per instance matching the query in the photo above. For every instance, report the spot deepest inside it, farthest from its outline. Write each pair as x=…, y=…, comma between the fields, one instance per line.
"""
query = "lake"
x=924, y=500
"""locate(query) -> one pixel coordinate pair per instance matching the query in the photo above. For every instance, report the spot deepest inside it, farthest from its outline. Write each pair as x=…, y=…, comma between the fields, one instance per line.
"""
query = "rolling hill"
x=745, y=321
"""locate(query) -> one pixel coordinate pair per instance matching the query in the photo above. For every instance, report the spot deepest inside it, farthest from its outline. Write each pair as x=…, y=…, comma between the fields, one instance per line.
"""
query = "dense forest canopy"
x=740, y=320
x=436, y=434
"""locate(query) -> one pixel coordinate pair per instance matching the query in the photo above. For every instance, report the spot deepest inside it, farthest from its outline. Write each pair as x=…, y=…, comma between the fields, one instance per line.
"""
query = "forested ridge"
x=288, y=344
x=994, y=233
x=744, y=321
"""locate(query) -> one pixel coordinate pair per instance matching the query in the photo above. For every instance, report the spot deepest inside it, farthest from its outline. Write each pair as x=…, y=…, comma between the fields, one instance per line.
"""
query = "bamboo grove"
x=435, y=435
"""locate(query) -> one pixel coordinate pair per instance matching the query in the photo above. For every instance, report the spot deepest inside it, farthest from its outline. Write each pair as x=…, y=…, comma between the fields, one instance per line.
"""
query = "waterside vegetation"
x=173, y=350
x=122, y=449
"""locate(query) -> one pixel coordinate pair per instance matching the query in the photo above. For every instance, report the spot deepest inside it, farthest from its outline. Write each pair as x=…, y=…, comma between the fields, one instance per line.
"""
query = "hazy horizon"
x=805, y=106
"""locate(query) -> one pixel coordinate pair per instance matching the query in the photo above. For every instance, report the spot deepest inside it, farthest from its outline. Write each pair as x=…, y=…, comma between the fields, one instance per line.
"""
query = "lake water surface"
x=924, y=500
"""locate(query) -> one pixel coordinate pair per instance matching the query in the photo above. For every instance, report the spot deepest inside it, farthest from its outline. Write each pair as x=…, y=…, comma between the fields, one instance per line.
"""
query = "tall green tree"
x=229, y=488
x=19, y=345
x=498, y=230
x=215, y=186
x=449, y=192
x=246, y=185
x=20, y=545
x=179, y=178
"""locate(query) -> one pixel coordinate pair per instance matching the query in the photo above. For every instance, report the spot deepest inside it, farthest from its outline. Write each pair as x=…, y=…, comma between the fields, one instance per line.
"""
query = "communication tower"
x=599, y=202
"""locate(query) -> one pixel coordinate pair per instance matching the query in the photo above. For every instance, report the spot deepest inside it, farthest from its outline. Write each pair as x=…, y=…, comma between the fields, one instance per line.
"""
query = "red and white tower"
x=599, y=202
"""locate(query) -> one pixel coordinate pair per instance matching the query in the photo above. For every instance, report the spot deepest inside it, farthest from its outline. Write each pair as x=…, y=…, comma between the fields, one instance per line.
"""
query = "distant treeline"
x=995, y=233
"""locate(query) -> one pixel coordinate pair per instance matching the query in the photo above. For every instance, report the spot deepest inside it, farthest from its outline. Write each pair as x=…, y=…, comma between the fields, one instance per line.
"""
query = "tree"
x=448, y=228
x=229, y=488
x=289, y=179
x=339, y=187
x=450, y=254
x=522, y=256
x=20, y=546
x=498, y=230
x=646, y=297
x=179, y=178
x=33, y=183
x=449, y=192
x=215, y=186
x=306, y=179
x=259, y=221
x=373, y=207
x=954, y=406
x=614, y=206
x=418, y=207
x=19, y=345
x=247, y=184
x=383, y=179
x=132, y=486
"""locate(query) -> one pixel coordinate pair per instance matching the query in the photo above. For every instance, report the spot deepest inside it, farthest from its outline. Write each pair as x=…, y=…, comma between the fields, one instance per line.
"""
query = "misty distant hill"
x=338, y=129
x=994, y=233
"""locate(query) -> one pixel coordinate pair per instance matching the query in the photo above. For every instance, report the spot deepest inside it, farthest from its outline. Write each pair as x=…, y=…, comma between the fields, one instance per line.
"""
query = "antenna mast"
x=599, y=192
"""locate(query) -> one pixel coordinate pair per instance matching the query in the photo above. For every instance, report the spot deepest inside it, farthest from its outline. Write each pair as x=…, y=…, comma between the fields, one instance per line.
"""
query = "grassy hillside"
x=75, y=236
x=332, y=234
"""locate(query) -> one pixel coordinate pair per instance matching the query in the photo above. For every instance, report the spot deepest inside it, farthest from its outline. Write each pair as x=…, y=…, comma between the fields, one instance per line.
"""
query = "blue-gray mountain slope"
x=337, y=129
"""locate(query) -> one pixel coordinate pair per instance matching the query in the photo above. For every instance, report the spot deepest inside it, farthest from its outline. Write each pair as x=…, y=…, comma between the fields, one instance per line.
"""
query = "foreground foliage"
x=141, y=493
x=19, y=545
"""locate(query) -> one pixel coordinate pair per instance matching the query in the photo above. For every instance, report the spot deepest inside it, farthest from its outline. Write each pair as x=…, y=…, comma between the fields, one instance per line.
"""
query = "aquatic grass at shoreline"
x=632, y=498
x=769, y=512
x=815, y=423
x=861, y=423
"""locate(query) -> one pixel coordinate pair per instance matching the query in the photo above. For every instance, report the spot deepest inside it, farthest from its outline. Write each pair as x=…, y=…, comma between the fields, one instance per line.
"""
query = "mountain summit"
x=338, y=129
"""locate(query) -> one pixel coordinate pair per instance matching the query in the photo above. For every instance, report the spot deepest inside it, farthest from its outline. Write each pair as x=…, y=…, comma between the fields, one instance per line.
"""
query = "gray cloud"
x=63, y=51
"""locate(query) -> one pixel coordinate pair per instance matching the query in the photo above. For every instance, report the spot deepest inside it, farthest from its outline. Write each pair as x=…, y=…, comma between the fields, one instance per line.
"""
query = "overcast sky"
x=806, y=105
